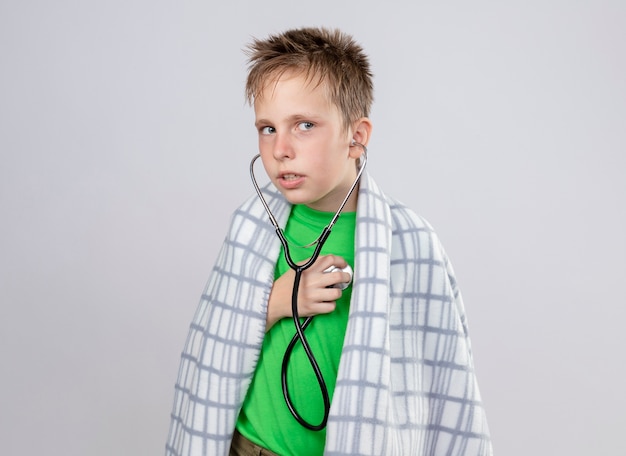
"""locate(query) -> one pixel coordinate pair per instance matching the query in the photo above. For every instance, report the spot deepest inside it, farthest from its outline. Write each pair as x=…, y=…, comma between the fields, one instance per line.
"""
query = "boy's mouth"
x=290, y=181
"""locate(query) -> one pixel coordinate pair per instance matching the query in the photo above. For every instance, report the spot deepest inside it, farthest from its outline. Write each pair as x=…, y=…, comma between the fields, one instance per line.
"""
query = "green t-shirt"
x=265, y=418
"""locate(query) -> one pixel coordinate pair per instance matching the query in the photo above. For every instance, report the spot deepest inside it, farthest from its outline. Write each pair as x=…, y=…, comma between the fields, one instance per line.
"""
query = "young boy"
x=392, y=347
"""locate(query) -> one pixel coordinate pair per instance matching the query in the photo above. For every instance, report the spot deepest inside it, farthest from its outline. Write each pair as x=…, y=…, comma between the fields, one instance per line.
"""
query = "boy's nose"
x=283, y=147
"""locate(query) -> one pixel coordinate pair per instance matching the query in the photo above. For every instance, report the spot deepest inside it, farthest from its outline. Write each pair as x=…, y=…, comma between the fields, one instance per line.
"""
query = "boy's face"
x=304, y=146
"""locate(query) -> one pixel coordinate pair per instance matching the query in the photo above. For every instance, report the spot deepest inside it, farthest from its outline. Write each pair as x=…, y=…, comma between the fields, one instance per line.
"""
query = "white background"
x=124, y=147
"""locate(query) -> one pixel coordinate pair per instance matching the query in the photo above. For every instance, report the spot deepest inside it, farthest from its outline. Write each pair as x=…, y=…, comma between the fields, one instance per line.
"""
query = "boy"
x=392, y=347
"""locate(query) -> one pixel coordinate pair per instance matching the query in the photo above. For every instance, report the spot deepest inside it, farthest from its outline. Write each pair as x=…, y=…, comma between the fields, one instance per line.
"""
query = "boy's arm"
x=314, y=295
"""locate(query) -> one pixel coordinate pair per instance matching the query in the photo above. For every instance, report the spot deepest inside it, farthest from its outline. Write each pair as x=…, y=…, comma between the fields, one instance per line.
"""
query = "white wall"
x=124, y=146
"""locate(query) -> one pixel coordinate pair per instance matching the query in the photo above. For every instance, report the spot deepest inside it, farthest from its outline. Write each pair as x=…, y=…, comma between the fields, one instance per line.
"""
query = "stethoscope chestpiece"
x=340, y=285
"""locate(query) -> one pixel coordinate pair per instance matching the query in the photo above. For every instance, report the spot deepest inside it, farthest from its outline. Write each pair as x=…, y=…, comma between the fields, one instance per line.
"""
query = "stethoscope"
x=299, y=269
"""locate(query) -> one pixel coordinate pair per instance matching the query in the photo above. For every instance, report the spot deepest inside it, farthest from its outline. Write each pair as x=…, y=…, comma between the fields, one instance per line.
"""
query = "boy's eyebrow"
x=259, y=122
x=290, y=119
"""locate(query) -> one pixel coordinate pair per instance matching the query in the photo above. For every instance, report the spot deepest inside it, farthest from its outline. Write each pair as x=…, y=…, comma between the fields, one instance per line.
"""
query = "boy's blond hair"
x=324, y=56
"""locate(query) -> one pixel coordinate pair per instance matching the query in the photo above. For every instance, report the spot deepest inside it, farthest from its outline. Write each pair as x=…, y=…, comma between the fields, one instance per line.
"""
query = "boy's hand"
x=314, y=296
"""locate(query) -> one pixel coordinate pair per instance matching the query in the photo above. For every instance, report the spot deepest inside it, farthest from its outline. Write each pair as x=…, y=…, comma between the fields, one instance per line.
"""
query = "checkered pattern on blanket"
x=406, y=382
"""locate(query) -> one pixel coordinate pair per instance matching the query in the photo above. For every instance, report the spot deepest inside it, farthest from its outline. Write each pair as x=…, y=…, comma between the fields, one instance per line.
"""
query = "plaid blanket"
x=406, y=382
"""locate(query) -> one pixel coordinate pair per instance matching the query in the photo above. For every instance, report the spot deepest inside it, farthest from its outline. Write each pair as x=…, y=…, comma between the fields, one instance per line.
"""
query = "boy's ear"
x=361, y=134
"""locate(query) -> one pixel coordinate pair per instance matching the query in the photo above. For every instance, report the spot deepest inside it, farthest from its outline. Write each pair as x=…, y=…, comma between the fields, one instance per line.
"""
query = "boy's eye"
x=267, y=130
x=304, y=126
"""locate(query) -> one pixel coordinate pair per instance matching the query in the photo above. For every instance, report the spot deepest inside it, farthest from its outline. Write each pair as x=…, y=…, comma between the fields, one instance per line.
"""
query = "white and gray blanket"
x=406, y=383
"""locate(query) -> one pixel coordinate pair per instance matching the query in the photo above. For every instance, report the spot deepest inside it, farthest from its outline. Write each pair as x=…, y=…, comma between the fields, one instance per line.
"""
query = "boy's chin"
x=323, y=204
x=292, y=199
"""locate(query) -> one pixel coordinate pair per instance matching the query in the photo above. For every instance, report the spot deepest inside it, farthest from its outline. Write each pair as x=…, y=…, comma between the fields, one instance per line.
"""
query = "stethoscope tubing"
x=299, y=269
